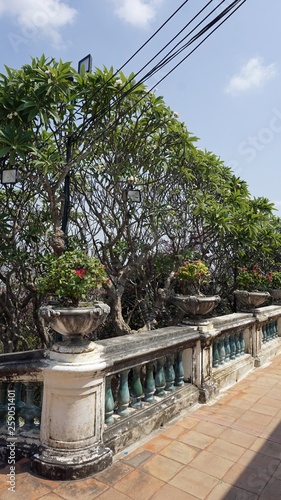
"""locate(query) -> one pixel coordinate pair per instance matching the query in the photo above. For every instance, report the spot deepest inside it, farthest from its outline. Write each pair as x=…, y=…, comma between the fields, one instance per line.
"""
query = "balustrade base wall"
x=141, y=423
x=229, y=374
x=268, y=351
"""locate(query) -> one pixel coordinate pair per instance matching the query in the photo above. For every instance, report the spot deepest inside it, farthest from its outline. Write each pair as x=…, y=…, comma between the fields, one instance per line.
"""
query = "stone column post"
x=72, y=419
x=207, y=387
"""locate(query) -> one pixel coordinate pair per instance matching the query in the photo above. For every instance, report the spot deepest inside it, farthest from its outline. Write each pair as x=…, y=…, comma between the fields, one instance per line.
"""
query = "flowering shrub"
x=72, y=277
x=274, y=279
x=194, y=274
x=252, y=279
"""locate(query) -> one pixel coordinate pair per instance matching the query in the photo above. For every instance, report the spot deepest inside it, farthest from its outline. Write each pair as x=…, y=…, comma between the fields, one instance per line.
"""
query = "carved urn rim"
x=74, y=322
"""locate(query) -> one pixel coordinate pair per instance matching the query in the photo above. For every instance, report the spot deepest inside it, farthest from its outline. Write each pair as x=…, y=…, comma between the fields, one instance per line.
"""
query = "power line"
x=233, y=7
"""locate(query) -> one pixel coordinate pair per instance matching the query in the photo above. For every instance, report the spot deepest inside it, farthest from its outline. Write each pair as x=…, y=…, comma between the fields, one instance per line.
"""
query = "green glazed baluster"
x=221, y=351
x=238, y=347
x=136, y=388
x=149, y=385
x=232, y=346
x=30, y=411
x=3, y=404
x=109, y=402
x=179, y=371
x=160, y=381
x=275, y=329
x=123, y=394
x=19, y=404
x=215, y=353
x=267, y=333
x=227, y=348
x=170, y=373
x=242, y=343
x=263, y=334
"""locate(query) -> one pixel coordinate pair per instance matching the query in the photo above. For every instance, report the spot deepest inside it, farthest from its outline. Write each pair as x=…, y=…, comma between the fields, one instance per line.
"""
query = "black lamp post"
x=86, y=62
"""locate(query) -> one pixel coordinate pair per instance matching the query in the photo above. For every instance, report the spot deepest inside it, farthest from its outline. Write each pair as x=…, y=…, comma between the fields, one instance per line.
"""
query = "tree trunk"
x=120, y=327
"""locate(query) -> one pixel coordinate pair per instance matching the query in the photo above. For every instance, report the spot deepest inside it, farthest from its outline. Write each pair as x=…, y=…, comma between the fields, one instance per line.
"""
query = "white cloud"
x=39, y=17
x=137, y=12
x=254, y=74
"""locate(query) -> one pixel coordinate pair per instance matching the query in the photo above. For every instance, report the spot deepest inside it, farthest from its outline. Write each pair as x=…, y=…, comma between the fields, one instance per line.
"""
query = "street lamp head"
x=9, y=176
x=86, y=62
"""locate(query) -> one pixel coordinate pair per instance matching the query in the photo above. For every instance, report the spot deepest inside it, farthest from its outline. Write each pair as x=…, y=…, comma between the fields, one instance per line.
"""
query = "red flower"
x=80, y=272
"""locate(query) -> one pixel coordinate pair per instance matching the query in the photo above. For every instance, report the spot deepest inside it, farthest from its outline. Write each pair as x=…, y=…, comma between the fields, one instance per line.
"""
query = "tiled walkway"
x=230, y=450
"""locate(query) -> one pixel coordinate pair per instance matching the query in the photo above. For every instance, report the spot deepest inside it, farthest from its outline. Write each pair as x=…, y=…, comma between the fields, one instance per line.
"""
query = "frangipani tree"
x=100, y=134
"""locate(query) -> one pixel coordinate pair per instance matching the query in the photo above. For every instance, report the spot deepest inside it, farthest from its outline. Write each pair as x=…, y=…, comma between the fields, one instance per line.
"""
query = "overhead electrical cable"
x=172, y=54
x=233, y=7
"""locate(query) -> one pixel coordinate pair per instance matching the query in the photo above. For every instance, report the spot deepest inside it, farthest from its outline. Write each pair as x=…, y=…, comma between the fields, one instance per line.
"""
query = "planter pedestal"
x=72, y=420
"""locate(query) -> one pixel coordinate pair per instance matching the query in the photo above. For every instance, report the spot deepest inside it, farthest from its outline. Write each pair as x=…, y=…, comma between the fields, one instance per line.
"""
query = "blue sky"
x=227, y=92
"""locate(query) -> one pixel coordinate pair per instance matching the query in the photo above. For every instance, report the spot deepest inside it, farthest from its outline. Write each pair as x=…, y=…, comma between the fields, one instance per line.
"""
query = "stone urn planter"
x=73, y=323
x=250, y=300
x=196, y=305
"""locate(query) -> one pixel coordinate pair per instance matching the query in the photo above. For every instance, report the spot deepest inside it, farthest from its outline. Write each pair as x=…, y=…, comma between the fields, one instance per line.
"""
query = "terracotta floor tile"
x=202, y=415
x=220, y=419
x=224, y=491
x=194, y=482
x=277, y=473
x=138, y=458
x=240, y=403
x=274, y=403
x=232, y=411
x=138, y=485
x=179, y=451
x=225, y=449
x=173, y=432
x=259, y=461
x=112, y=494
x=114, y=473
x=196, y=439
x=215, y=465
x=259, y=391
x=248, y=396
x=157, y=443
x=161, y=467
x=267, y=448
x=169, y=492
x=224, y=399
x=274, y=393
x=189, y=422
x=86, y=489
x=264, y=409
x=27, y=487
x=210, y=428
x=51, y=496
x=253, y=428
x=274, y=425
x=246, y=478
x=237, y=437
x=251, y=416
x=272, y=490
